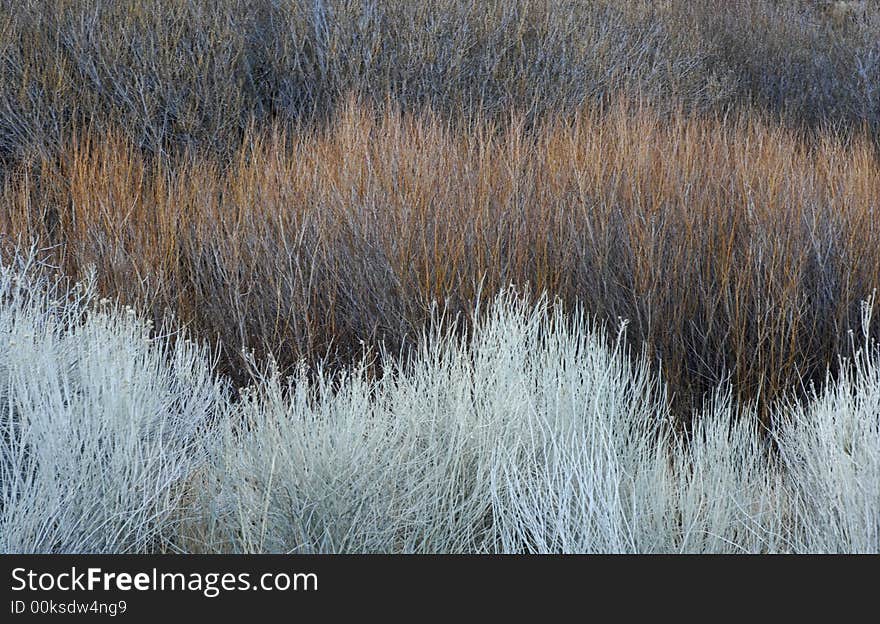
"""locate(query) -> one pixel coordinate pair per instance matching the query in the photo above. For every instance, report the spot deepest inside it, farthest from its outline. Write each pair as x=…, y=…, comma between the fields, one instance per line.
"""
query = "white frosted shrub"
x=831, y=450
x=98, y=421
x=728, y=488
x=535, y=434
x=588, y=434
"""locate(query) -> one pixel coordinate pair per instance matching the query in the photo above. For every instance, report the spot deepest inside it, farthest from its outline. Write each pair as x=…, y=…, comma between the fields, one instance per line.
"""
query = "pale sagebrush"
x=535, y=434
x=98, y=421
x=599, y=470
x=728, y=489
x=831, y=450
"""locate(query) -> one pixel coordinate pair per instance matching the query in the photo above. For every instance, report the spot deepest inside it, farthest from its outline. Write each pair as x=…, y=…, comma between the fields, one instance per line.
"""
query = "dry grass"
x=736, y=249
